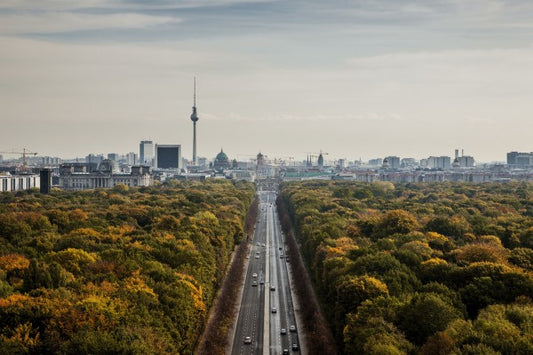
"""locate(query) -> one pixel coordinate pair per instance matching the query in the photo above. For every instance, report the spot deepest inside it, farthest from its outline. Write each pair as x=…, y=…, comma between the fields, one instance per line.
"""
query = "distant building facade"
x=393, y=162
x=71, y=177
x=17, y=182
x=146, y=153
x=519, y=159
x=440, y=163
x=168, y=156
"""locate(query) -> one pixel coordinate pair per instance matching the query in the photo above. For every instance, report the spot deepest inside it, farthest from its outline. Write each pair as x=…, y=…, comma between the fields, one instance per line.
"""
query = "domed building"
x=221, y=162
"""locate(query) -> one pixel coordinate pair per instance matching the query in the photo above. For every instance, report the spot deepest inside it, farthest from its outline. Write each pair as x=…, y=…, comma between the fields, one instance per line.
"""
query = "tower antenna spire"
x=194, y=96
x=194, y=119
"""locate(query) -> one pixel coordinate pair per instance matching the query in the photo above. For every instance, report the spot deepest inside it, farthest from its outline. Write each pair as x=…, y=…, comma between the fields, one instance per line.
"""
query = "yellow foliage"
x=12, y=262
x=434, y=236
x=434, y=262
x=196, y=291
x=135, y=284
x=138, y=245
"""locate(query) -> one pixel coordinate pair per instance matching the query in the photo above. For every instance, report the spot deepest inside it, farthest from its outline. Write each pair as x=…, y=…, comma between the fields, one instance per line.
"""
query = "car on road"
x=285, y=351
x=292, y=328
x=247, y=340
x=254, y=275
x=283, y=331
x=280, y=248
x=294, y=347
x=272, y=288
x=263, y=245
x=274, y=310
x=262, y=282
x=254, y=283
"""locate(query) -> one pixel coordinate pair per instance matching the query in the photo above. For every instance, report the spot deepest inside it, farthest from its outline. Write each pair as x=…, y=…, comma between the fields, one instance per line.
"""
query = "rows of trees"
x=420, y=268
x=115, y=271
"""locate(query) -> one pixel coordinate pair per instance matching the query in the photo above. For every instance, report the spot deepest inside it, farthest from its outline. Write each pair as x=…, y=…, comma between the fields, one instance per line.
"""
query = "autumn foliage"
x=419, y=268
x=121, y=271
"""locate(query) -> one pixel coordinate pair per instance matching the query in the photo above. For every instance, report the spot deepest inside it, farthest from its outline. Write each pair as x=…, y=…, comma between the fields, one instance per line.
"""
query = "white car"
x=247, y=340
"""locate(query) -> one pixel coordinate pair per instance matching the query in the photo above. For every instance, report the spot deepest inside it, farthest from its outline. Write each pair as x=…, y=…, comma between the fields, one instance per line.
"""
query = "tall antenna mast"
x=194, y=119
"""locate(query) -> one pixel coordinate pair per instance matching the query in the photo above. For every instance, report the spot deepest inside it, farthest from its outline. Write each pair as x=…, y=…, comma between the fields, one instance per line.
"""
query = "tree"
x=396, y=221
x=425, y=315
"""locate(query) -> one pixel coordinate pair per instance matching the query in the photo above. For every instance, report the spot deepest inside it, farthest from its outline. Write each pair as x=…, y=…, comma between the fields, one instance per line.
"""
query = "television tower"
x=194, y=119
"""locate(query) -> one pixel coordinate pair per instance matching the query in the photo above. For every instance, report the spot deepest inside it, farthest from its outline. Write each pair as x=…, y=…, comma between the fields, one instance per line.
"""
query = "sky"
x=353, y=78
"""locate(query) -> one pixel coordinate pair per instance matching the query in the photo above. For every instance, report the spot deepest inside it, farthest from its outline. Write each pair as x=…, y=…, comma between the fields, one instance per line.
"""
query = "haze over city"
x=354, y=78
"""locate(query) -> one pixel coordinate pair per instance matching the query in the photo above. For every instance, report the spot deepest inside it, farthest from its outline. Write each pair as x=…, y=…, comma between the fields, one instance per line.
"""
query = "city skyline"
x=367, y=80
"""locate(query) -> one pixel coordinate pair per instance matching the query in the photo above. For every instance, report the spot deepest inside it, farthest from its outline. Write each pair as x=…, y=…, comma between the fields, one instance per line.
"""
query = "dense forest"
x=419, y=268
x=126, y=270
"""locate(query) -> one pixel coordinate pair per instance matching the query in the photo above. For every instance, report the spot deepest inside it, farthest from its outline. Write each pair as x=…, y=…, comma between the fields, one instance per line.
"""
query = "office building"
x=94, y=159
x=45, y=180
x=393, y=161
x=375, y=162
x=440, y=163
x=132, y=159
x=519, y=159
x=168, y=156
x=146, y=153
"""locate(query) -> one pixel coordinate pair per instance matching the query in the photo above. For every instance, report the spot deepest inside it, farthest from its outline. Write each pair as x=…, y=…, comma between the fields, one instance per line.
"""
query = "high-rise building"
x=442, y=163
x=394, y=162
x=519, y=159
x=375, y=162
x=146, y=152
x=194, y=119
x=45, y=180
x=131, y=159
x=168, y=156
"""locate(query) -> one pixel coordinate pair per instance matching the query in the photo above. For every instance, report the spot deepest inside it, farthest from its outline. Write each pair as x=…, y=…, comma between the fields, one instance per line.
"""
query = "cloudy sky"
x=354, y=78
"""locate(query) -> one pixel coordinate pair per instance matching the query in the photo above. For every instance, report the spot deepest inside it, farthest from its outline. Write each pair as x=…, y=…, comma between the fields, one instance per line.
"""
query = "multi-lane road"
x=266, y=322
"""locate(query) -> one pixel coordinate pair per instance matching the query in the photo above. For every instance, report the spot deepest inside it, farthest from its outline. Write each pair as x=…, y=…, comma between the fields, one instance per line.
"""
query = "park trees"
x=450, y=261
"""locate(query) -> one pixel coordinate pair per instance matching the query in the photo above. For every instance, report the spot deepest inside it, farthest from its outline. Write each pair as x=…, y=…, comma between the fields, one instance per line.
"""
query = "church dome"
x=221, y=161
x=221, y=157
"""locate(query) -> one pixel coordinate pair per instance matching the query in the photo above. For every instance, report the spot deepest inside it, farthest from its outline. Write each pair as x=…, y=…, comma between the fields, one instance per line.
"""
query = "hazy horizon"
x=356, y=79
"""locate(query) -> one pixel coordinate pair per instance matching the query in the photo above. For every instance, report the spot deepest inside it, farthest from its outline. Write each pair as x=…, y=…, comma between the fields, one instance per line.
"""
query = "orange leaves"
x=13, y=262
x=15, y=300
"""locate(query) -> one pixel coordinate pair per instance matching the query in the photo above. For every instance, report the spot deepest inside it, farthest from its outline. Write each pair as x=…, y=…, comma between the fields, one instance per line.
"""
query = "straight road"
x=266, y=306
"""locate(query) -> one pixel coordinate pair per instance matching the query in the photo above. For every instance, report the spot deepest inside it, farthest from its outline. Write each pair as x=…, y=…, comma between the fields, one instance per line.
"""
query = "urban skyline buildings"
x=388, y=78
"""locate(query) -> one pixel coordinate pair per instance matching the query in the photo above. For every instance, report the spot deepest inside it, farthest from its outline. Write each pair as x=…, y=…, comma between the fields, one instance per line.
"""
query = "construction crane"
x=23, y=153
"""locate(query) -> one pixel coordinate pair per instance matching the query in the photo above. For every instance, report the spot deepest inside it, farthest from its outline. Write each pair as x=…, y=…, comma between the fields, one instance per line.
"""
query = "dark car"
x=294, y=347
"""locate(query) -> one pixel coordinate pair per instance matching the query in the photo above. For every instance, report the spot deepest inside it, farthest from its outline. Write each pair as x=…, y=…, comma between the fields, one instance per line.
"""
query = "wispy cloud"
x=70, y=22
